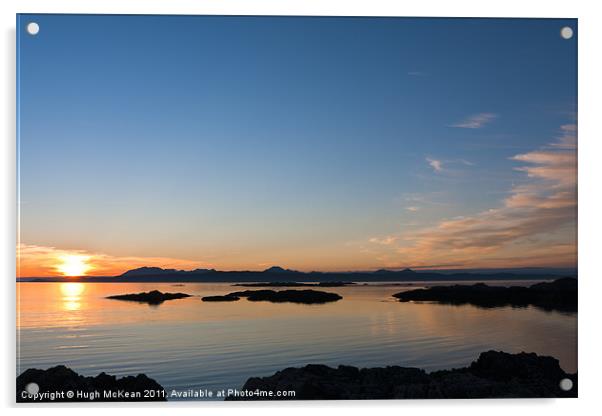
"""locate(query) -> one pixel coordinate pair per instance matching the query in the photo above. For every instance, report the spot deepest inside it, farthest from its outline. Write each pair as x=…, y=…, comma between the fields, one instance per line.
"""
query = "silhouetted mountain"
x=404, y=271
x=149, y=271
x=154, y=271
x=157, y=271
x=279, y=274
x=278, y=269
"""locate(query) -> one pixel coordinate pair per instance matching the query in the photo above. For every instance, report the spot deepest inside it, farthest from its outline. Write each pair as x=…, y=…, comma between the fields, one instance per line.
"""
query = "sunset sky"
x=309, y=143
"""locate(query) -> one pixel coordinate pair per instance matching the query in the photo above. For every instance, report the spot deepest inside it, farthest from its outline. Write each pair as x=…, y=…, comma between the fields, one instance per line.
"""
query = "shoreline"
x=494, y=374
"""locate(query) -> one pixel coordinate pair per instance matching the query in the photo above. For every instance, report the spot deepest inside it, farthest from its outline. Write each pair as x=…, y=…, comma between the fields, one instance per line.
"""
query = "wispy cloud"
x=413, y=209
x=475, y=121
x=437, y=165
x=568, y=138
x=385, y=241
x=534, y=225
x=465, y=162
x=424, y=198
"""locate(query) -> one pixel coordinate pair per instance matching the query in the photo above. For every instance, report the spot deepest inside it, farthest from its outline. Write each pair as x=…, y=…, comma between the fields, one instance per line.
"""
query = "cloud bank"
x=534, y=226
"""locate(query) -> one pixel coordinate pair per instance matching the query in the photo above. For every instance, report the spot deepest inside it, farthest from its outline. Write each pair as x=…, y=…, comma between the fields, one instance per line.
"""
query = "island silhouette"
x=277, y=274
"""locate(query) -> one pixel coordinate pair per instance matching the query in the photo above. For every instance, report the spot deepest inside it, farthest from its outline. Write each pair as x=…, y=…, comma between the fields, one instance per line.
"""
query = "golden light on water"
x=73, y=265
x=72, y=295
x=72, y=290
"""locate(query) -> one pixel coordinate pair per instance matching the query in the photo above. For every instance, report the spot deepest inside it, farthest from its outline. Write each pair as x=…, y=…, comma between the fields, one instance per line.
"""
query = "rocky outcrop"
x=493, y=375
x=294, y=284
x=296, y=296
x=335, y=284
x=61, y=384
x=560, y=294
x=153, y=297
x=218, y=298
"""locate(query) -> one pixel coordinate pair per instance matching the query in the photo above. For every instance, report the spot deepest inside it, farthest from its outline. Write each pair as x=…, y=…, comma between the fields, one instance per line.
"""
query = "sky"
x=310, y=143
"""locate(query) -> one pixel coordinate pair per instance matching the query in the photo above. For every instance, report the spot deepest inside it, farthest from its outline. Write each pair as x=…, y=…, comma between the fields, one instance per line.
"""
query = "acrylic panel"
x=295, y=208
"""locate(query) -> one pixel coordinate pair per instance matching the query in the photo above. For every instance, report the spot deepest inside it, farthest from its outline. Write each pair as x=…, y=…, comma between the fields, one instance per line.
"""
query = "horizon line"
x=416, y=269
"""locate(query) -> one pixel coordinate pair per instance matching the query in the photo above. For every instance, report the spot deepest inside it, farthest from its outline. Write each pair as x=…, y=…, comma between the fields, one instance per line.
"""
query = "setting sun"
x=73, y=265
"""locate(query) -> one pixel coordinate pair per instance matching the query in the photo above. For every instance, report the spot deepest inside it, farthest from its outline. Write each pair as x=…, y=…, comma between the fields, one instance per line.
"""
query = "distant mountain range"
x=279, y=274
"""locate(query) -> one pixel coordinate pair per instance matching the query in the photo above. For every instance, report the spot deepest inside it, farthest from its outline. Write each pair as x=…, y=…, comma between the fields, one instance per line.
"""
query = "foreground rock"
x=493, y=375
x=560, y=294
x=153, y=297
x=218, y=298
x=294, y=284
x=296, y=296
x=61, y=380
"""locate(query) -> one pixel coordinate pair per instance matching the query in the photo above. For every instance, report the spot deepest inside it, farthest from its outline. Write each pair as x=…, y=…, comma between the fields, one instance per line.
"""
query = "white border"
x=590, y=151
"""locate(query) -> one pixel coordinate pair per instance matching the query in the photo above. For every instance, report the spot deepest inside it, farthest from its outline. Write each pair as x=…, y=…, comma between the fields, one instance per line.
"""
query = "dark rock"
x=224, y=298
x=293, y=284
x=274, y=284
x=493, y=375
x=296, y=296
x=335, y=284
x=560, y=294
x=61, y=380
x=153, y=297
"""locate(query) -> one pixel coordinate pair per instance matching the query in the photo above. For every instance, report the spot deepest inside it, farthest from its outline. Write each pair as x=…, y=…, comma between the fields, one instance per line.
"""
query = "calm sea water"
x=188, y=343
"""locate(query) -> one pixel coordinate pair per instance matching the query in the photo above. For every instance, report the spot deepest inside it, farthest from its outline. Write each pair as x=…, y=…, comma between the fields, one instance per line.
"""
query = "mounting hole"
x=33, y=28
x=32, y=388
x=566, y=32
x=566, y=384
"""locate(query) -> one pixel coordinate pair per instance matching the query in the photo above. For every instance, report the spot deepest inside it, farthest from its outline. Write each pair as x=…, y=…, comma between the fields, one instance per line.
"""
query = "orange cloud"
x=40, y=261
x=384, y=241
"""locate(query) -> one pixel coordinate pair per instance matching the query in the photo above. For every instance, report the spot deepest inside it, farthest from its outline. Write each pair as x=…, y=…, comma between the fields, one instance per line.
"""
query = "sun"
x=73, y=265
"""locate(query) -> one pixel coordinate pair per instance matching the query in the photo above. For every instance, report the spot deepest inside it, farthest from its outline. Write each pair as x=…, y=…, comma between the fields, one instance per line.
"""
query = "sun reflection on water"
x=71, y=295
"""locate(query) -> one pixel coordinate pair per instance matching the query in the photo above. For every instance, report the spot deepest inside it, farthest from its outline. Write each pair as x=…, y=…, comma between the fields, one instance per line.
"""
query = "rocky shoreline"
x=295, y=284
x=493, y=375
x=61, y=384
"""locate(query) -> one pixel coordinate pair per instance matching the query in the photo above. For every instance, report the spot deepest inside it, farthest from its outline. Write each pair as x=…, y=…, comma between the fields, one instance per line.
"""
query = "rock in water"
x=224, y=298
x=153, y=297
x=58, y=383
x=493, y=375
x=295, y=296
x=560, y=294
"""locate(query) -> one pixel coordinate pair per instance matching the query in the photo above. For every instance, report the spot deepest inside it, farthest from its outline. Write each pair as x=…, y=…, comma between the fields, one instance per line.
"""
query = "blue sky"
x=241, y=142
